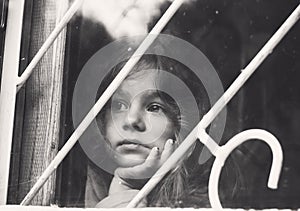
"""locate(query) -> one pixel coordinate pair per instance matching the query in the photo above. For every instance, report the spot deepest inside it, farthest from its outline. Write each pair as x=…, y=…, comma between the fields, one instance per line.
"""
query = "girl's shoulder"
x=97, y=184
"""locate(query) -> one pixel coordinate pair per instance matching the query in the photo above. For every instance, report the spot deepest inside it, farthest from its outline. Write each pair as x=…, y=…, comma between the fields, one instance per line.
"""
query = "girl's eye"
x=155, y=108
x=119, y=106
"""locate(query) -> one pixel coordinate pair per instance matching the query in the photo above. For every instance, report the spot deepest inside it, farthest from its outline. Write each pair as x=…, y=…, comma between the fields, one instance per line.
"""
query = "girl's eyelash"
x=149, y=108
x=119, y=102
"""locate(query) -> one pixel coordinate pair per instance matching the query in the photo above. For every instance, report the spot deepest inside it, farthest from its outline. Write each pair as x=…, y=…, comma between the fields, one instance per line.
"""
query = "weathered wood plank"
x=43, y=101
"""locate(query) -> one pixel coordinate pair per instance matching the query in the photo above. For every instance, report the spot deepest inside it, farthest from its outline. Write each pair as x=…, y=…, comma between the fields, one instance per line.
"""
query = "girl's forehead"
x=141, y=74
x=139, y=82
x=145, y=76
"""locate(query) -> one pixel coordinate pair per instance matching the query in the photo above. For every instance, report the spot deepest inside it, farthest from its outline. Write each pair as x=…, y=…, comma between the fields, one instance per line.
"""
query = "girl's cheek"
x=117, y=119
x=163, y=125
x=160, y=119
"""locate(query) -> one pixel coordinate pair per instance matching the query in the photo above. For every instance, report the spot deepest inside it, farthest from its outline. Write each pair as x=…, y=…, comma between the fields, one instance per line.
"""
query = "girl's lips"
x=132, y=146
x=132, y=143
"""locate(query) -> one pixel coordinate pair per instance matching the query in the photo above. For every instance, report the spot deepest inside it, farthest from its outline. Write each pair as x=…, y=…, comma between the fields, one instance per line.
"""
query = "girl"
x=142, y=125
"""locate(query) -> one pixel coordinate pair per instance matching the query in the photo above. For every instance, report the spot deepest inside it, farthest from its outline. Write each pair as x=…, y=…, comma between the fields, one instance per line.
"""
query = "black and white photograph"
x=154, y=104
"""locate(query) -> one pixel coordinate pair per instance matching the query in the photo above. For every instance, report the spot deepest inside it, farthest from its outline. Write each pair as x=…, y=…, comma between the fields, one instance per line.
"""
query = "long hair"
x=173, y=189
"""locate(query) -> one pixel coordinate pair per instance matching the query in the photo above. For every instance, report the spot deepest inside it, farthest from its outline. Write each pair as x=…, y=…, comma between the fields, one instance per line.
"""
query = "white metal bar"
x=8, y=89
x=215, y=110
x=103, y=99
x=208, y=141
x=47, y=44
x=233, y=143
x=251, y=67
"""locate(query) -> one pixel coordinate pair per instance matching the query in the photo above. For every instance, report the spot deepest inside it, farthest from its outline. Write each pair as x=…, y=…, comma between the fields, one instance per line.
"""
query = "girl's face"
x=137, y=121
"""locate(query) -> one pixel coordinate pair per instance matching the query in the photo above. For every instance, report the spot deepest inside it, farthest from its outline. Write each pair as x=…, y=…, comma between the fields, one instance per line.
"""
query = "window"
x=229, y=34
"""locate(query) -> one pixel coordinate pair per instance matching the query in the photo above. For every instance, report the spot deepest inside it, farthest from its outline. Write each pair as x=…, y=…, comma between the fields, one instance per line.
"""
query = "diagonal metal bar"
x=215, y=110
x=103, y=99
x=47, y=44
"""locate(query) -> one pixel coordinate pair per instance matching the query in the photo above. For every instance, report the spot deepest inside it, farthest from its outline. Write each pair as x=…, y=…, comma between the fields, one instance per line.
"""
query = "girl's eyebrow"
x=151, y=94
x=121, y=93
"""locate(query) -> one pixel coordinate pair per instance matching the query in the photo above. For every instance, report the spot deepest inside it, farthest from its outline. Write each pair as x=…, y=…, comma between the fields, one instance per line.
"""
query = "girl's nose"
x=134, y=120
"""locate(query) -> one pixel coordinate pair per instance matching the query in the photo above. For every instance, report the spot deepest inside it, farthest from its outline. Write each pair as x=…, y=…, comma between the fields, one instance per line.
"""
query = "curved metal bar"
x=207, y=119
x=217, y=107
x=224, y=151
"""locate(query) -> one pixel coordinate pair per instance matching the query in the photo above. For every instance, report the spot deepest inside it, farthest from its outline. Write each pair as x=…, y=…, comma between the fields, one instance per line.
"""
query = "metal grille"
x=221, y=153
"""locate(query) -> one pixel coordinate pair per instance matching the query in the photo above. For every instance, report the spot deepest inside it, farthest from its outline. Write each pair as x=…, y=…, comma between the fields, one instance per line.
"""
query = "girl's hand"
x=135, y=177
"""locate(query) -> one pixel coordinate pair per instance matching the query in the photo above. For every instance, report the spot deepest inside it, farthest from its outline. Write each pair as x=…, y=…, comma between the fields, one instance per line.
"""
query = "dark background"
x=229, y=33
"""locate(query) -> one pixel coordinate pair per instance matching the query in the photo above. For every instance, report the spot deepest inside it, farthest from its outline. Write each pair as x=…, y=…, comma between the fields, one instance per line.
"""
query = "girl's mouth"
x=132, y=146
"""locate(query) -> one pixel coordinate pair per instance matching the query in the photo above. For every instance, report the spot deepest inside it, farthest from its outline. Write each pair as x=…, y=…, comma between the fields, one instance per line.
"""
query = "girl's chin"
x=129, y=160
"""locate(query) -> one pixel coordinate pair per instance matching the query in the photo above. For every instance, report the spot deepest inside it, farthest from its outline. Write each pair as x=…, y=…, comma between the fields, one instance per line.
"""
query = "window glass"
x=229, y=34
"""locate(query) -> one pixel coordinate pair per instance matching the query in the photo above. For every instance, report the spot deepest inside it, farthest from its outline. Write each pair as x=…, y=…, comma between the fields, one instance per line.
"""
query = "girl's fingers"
x=151, y=164
x=168, y=150
x=153, y=158
x=135, y=177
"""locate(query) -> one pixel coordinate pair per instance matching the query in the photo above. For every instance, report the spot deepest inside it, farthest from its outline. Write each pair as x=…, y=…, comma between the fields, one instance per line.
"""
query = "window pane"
x=229, y=34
